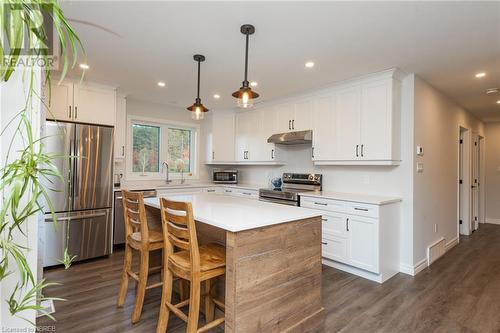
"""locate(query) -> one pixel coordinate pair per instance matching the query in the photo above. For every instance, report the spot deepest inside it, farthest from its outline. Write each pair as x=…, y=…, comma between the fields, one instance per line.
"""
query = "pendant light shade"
x=245, y=95
x=198, y=109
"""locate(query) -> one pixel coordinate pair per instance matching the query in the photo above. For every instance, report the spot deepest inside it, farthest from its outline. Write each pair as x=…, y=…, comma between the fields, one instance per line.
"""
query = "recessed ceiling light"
x=216, y=96
x=480, y=75
x=498, y=102
x=254, y=84
x=161, y=84
x=492, y=91
x=309, y=64
x=84, y=66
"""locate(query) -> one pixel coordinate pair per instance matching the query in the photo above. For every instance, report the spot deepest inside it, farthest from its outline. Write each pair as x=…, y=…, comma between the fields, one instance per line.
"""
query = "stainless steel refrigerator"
x=83, y=197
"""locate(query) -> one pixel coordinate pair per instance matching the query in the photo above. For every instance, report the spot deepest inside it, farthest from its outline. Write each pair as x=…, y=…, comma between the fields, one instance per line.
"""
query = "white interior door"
x=475, y=183
x=465, y=182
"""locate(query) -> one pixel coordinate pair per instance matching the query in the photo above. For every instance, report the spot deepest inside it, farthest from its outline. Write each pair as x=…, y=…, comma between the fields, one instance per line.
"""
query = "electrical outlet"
x=420, y=167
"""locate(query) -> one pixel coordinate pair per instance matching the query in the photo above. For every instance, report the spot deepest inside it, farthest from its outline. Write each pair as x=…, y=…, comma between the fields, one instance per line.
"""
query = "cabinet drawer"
x=334, y=248
x=250, y=194
x=334, y=224
x=361, y=209
x=324, y=204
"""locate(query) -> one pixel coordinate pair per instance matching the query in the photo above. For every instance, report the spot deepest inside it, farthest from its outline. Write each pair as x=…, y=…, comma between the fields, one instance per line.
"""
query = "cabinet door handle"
x=357, y=149
x=324, y=220
x=312, y=153
x=324, y=243
x=213, y=155
x=289, y=124
x=246, y=193
x=293, y=124
x=272, y=154
x=362, y=150
x=321, y=203
x=123, y=151
x=362, y=209
x=210, y=191
x=70, y=111
x=228, y=191
x=76, y=112
x=347, y=224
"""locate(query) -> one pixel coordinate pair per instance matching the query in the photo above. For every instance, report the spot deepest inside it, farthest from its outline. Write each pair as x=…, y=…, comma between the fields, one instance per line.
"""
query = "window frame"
x=164, y=125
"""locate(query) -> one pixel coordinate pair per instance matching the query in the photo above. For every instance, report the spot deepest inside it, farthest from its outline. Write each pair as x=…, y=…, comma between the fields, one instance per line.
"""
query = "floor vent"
x=48, y=308
x=435, y=251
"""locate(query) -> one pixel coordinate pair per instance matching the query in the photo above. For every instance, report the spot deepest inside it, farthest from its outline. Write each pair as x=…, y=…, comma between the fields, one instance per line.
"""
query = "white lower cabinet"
x=359, y=238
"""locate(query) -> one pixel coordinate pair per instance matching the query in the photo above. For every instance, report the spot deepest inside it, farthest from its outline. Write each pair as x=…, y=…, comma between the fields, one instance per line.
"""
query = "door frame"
x=481, y=191
x=464, y=187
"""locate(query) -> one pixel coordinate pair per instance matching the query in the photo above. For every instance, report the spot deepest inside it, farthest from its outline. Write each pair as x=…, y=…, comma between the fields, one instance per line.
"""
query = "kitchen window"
x=152, y=143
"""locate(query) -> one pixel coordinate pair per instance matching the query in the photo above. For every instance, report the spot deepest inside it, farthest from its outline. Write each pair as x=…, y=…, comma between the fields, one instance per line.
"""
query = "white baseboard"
x=492, y=221
x=415, y=269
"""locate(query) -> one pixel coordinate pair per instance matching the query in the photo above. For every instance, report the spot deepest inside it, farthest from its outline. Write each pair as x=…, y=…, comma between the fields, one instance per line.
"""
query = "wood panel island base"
x=273, y=262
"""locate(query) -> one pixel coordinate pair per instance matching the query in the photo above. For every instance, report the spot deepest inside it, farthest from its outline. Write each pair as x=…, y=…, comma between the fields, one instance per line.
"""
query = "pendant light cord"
x=198, y=94
x=246, y=58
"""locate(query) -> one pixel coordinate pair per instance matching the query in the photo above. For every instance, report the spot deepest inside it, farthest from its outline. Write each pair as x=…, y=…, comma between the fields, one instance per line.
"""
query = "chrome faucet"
x=164, y=166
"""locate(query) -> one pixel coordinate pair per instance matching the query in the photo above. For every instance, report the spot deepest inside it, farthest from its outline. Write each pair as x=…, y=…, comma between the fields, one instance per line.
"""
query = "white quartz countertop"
x=237, y=214
x=352, y=197
x=157, y=187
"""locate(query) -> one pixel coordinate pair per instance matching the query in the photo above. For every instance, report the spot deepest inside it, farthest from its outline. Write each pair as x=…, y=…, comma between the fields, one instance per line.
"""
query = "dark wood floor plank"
x=458, y=293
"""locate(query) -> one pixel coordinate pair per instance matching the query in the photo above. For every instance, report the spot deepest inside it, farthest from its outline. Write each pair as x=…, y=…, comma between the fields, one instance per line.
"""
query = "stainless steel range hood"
x=291, y=138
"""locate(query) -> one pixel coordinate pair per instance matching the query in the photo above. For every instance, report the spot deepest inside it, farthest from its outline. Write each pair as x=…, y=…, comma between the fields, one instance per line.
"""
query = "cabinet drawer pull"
x=324, y=220
x=362, y=209
x=210, y=190
x=228, y=191
x=347, y=224
x=246, y=193
x=324, y=243
x=321, y=203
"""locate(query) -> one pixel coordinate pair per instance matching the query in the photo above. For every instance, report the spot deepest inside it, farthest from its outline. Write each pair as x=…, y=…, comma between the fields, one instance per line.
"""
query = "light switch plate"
x=420, y=151
x=420, y=167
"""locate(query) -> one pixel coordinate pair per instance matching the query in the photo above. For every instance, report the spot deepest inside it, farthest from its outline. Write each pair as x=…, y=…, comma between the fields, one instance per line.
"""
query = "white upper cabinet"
x=220, y=142
x=120, y=127
x=247, y=127
x=346, y=135
x=303, y=113
x=265, y=151
x=86, y=103
x=364, y=123
x=60, y=101
x=94, y=104
x=284, y=114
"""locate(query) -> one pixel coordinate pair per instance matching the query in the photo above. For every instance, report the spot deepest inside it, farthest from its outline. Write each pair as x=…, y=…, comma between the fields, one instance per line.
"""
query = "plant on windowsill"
x=20, y=176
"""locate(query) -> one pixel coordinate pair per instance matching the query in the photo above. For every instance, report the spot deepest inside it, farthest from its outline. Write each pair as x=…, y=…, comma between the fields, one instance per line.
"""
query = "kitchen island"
x=273, y=260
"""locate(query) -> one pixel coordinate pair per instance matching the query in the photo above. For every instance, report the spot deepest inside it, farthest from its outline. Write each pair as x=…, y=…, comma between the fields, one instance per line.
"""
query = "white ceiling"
x=445, y=43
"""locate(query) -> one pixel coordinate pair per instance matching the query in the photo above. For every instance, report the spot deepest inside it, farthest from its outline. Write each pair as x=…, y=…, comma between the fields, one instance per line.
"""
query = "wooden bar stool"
x=192, y=263
x=138, y=237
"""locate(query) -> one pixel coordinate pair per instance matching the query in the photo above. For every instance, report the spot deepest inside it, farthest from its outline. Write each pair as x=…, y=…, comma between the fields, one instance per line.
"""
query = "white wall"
x=165, y=112
x=12, y=101
x=437, y=121
x=492, y=172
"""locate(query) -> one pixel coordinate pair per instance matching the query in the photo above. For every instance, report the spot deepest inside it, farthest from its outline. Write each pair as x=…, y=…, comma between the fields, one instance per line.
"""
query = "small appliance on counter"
x=225, y=176
x=117, y=178
x=293, y=184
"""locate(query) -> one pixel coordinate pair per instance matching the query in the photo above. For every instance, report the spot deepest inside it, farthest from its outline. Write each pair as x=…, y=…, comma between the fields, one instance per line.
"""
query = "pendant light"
x=245, y=95
x=197, y=109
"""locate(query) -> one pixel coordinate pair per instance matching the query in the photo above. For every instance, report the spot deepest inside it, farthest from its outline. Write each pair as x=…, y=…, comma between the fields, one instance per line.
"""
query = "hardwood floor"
x=458, y=293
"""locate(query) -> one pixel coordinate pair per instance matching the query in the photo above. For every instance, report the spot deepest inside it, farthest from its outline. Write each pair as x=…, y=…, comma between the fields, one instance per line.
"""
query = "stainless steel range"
x=293, y=184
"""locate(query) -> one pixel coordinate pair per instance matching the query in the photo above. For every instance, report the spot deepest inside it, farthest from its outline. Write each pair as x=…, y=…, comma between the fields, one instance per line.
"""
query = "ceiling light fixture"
x=84, y=66
x=161, y=84
x=253, y=84
x=498, y=102
x=480, y=75
x=245, y=95
x=216, y=96
x=309, y=64
x=197, y=109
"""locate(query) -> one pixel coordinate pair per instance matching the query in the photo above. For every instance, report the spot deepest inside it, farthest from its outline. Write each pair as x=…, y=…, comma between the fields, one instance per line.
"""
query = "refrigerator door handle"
x=80, y=217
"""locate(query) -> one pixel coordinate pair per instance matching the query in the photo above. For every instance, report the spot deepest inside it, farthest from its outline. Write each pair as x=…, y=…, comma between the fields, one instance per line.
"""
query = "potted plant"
x=24, y=22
